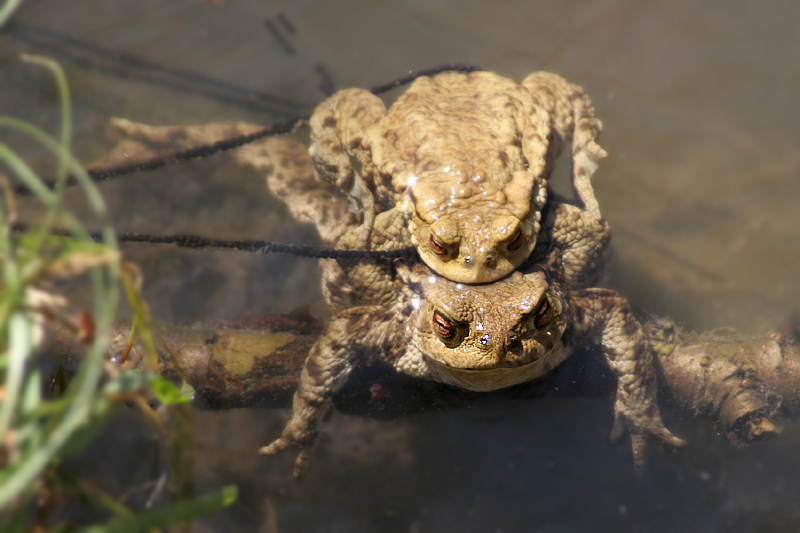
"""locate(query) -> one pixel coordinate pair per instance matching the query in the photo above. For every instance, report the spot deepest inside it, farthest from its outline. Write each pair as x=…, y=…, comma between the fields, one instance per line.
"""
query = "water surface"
x=701, y=123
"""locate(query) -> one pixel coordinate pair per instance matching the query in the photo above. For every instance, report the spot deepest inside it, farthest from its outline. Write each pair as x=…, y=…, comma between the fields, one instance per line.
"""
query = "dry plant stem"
x=742, y=383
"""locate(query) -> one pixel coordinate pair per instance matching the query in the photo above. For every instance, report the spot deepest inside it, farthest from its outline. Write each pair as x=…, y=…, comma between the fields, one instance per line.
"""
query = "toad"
x=457, y=166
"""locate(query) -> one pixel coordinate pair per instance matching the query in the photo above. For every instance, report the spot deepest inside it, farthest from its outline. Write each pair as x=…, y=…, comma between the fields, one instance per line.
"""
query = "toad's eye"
x=516, y=241
x=544, y=314
x=442, y=326
x=436, y=246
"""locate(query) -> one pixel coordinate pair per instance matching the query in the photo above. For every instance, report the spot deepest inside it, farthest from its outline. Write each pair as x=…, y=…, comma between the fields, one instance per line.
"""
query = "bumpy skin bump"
x=464, y=158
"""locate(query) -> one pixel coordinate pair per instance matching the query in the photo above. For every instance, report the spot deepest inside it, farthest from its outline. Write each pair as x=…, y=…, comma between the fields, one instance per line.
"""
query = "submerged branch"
x=741, y=383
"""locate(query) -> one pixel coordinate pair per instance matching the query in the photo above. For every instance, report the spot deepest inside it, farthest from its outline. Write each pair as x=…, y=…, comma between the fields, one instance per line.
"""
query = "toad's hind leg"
x=290, y=176
x=337, y=128
x=572, y=121
x=607, y=316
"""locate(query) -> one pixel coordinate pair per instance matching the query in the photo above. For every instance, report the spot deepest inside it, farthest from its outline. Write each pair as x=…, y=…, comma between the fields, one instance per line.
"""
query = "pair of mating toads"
x=498, y=288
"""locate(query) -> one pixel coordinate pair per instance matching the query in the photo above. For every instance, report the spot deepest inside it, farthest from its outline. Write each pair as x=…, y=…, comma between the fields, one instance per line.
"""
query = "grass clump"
x=37, y=431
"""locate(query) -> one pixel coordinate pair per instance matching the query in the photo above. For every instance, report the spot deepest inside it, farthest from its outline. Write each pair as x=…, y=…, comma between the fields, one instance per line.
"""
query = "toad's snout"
x=512, y=339
x=512, y=347
x=506, y=348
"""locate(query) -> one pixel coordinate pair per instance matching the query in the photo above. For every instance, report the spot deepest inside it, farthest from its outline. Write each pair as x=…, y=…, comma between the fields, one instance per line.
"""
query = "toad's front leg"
x=608, y=316
x=347, y=338
x=580, y=239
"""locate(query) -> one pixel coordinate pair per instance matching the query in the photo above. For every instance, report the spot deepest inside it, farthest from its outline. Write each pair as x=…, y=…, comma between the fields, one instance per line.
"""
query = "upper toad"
x=463, y=159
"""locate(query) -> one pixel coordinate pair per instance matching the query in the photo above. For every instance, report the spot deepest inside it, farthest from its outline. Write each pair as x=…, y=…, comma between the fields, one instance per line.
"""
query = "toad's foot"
x=294, y=436
x=290, y=177
x=581, y=241
x=640, y=423
x=347, y=337
x=607, y=316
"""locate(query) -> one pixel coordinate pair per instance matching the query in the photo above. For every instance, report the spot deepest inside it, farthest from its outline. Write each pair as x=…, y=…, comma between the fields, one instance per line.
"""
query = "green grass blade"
x=66, y=141
x=7, y=10
x=28, y=176
x=20, y=348
x=77, y=170
x=168, y=515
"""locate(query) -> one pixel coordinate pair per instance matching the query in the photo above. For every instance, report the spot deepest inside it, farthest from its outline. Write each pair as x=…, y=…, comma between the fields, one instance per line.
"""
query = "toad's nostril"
x=490, y=259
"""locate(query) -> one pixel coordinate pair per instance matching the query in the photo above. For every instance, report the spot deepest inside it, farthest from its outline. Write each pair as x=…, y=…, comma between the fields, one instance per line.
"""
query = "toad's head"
x=486, y=337
x=474, y=232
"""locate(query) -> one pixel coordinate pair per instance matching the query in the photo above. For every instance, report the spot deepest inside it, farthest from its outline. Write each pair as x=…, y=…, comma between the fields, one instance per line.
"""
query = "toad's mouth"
x=511, y=363
x=488, y=367
x=488, y=378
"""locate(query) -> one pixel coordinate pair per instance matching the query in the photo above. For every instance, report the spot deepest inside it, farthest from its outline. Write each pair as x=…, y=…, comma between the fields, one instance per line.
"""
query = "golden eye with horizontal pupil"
x=516, y=241
x=544, y=314
x=442, y=326
x=436, y=246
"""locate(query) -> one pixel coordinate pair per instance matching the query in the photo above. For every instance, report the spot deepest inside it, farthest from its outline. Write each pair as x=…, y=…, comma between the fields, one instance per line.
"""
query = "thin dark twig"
x=253, y=246
x=206, y=150
x=405, y=80
x=203, y=150
x=301, y=250
x=96, y=58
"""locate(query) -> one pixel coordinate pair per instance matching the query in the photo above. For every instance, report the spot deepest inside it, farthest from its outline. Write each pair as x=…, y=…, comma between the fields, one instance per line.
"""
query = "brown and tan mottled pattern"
x=504, y=333
x=464, y=158
x=375, y=319
x=576, y=240
x=572, y=122
x=337, y=128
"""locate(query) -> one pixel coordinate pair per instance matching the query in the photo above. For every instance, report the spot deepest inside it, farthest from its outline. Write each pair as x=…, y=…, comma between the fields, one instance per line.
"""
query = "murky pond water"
x=701, y=123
